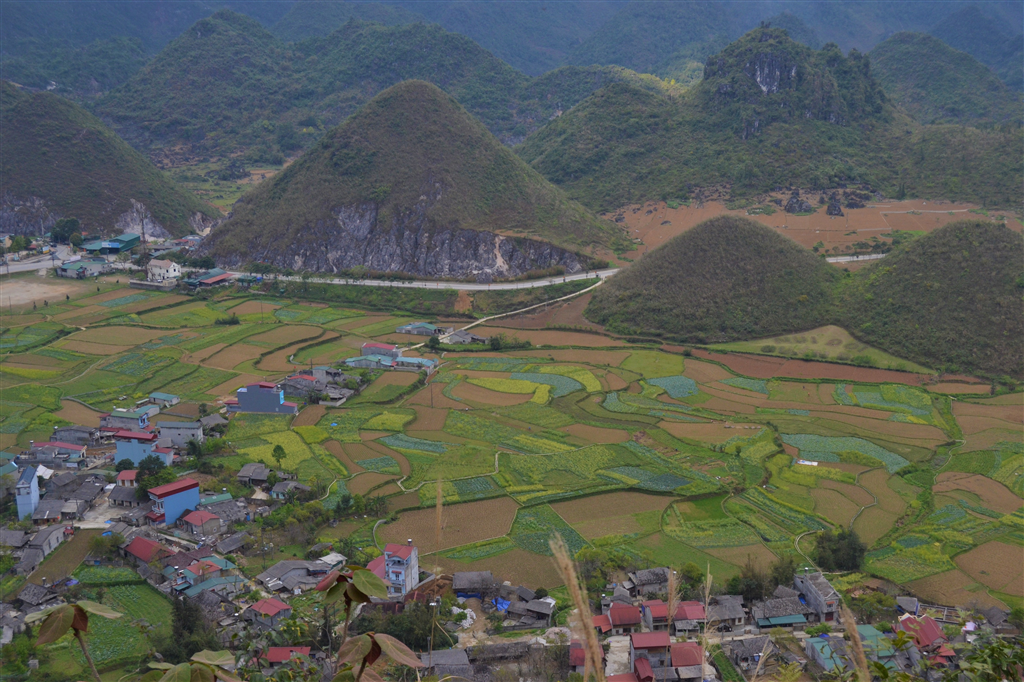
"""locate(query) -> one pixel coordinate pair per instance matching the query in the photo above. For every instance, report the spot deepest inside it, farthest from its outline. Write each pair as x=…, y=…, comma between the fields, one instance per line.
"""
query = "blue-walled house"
x=172, y=500
x=27, y=491
x=262, y=397
x=137, y=445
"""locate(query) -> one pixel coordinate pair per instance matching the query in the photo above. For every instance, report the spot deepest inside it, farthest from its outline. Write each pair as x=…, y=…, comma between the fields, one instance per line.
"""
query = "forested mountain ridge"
x=228, y=85
x=60, y=161
x=411, y=183
x=769, y=112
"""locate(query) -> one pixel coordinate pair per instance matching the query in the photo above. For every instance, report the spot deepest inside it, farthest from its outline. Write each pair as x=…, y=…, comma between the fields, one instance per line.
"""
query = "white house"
x=160, y=270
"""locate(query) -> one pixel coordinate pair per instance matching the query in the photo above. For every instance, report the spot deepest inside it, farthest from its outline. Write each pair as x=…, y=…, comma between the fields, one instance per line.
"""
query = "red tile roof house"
x=268, y=613
x=126, y=478
x=145, y=550
x=689, y=617
x=172, y=500
x=276, y=655
x=688, y=660
x=654, y=646
x=201, y=522
x=621, y=619
x=578, y=656
x=655, y=613
x=930, y=641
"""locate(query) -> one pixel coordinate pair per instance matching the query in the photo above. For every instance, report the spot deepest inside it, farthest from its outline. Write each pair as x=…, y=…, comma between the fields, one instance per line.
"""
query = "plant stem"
x=85, y=650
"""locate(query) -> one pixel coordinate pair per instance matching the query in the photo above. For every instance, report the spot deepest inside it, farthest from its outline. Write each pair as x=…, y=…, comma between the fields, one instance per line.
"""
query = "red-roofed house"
x=145, y=550
x=173, y=500
x=624, y=618
x=623, y=677
x=578, y=656
x=268, y=613
x=655, y=613
x=602, y=623
x=654, y=646
x=375, y=348
x=644, y=670
x=401, y=568
x=276, y=655
x=685, y=654
x=688, y=617
x=126, y=478
x=201, y=522
x=928, y=637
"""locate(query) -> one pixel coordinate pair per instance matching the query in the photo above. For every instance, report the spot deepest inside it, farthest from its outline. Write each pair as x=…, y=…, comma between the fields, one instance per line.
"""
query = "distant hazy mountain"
x=60, y=161
x=411, y=183
x=936, y=84
x=993, y=41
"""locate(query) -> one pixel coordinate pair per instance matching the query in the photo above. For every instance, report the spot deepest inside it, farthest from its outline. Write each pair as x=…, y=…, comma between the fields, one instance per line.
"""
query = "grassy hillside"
x=84, y=71
x=993, y=41
x=951, y=298
x=58, y=152
x=228, y=85
x=417, y=159
x=314, y=19
x=727, y=279
x=936, y=84
x=830, y=123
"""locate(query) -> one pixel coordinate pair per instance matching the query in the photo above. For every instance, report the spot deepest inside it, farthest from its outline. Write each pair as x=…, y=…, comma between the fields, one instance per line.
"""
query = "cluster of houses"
x=446, y=334
x=374, y=355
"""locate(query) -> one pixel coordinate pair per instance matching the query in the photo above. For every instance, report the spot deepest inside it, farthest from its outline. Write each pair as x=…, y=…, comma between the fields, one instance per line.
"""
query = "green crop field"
x=589, y=427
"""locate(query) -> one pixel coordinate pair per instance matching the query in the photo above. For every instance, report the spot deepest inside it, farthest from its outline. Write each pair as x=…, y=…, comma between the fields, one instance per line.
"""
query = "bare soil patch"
x=461, y=524
x=826, y=394
x=429, y=418
x=596, y=434
x=404, y=501
x=996, y=564
x=65, y=558
x=517, y=566
x=94, y=348
x=985, y=440
x=77, y=312
x=876, y=481
x=728, y=407
x=23, y=290
x=361, y=484
x=738, y=395
x=76, y=413
x=121, y=335
x=309, y=416
x=704, y=372
x=762, y=367
x=993, y=494
x=709, y=433
x=950, y=388
x=228, y=388
x=854, y=493
x=566, y=314
x=873, y=523
x=152, y=302
x=971, y=425
x=8, y=320
x=286, y=333
x=197, y=357
x=396, y=379
x=834, y=506
x=953, y=588
x=479, y=394
x=433, y=396
x=343, y=456
x=253, y=307
x=278, y=361
x=362, y=321
x=762, y=556
x=609, y=505
x=234, y=355
x=1009, y=413
x=541, y=337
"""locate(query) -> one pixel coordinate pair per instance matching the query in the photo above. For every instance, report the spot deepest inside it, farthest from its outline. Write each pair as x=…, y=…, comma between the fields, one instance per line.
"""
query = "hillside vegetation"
x=411, y=162
x=769, y=112
x=227, y=85
x=936, y=84
x=57, y=152
x=727, y=279
x=996, y=42
x=952, y=298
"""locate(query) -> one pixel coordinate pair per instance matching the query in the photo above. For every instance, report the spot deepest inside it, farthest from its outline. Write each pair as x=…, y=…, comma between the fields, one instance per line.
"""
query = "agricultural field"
x=666, y=454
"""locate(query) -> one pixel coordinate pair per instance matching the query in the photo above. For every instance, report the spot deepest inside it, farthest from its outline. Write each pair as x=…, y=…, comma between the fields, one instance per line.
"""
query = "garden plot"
x=993, y=495
x=280, y=361
x=834, y=506
x=829, y=449
x=486, y=396
x=197, y=314
x=537, y=415
x=877, y=482
x=92, y=348
x=461, y=524
x=997, y=565
x=873, y=523
x=285, y=334
x=367, y=481
x=596, y=434
x=429, y=418
x=738, y=556
x=709, y=433
x=234, y=355
x=953, y=588
x=608, y=358
x=76, y=413
x=534, y=527
x=260, y=448
x=667, y=551
x=254, y=307
x=516, y=565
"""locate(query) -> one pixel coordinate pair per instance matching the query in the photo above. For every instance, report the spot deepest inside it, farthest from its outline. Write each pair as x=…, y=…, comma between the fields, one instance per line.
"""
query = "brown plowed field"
x=761, y=367
x=517, y=566
x=709, y=433
x=361, y=484
x=610, y=358
x=761, y=555
x=873, y=523
x=429, y=418
x=566, y=314
x=1005, y=399
x=826, y=394
x=544, y=337
x=704, y=372
x=951, y=588
x=1010, y=413
x=404, y=501
x=993, y=494
x=924, y=435
x=738, y=395
x=854, y=493
x=433, y=396
x=877, y=482
x=613, y=381
x=278, y=361
x=382, y=450
x=985, y=440
x=94, y=348
x=254, y=307
x=286, y=333
x=338, y=450
x=105, y=296
x=834, y=506
x=461, y=524
x=76, y=413
x=479, y=394
x=197, y=357
x=996, y=564
x=597, y=434
x=389, y=489
x=609, y=505
x=971, y=425
x=950, y=388
x=139, y=306
x=77, y=312
x=728, y=407
x=122, y=335
x=309, y=416
x=234, y=355
x=228, y=388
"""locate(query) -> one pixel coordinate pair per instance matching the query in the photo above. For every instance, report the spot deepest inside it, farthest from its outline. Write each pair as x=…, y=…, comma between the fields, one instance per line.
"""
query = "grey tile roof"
x=472, y=580
x=650, y=576
x=776, y=608
x=726, y=607
x=35, y=594
x=748, y=648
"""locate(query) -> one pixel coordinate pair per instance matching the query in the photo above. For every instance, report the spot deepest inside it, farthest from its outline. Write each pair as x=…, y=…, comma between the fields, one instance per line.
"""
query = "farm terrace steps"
x=766, y=367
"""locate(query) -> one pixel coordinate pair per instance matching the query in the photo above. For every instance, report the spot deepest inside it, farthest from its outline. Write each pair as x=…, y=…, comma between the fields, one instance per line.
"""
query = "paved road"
x=36, y=262
x=464, y=286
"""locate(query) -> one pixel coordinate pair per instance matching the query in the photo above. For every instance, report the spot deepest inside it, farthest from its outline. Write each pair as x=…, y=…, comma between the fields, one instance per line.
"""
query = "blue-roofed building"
x=163, y=399
x=27, y=492
x=831, y=652
x=419, y=364
x=371, y=362
x=423, y=329
x=118, y=244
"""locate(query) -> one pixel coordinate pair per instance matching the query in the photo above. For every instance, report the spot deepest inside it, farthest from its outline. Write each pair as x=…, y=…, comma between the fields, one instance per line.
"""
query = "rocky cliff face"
x=408, y=246
x=139, y=220
x=26, y=215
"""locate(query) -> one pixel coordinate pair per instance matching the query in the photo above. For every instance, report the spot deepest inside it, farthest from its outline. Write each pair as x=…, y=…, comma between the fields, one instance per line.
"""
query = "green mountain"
x=994, y=41
x=228, y=85
x=411, y=183
x=78, y=72
x=949, y=299
x=61, y=161
x=726, y=279
x=796, y=29
x=936, y=84
x=316, y=19
x=769, y=112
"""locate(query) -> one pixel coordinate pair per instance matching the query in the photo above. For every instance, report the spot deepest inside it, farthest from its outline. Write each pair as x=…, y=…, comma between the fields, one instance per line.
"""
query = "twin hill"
x=411, y=183
x=769, y=112
x=949, y=300
x=60, y=161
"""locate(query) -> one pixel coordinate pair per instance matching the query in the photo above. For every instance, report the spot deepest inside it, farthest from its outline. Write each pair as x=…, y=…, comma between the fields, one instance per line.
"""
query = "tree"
x=63, y=229
x=190, y=633
x=433, y=343
x=151, y=464
x=125, y=465
x=278, y=454
x=783, y=570
x=842, y=551
x=194, y=448
x=76, y=239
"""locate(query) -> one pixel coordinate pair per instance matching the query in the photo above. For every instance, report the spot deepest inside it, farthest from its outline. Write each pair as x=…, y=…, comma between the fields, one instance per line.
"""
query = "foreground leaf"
x=99, y=609
x=219, y=658
x=56, y=625
x=355, y=649
x=201, y=673
x=397, y=652
x=179, y=673
x=369, y=583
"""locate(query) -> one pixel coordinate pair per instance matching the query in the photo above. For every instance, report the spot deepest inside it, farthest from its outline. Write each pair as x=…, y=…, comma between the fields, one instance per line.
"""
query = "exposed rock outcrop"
x=834, y=208
x=26, y=215
x=408, y=246
x=139, y=221
x=798, y=205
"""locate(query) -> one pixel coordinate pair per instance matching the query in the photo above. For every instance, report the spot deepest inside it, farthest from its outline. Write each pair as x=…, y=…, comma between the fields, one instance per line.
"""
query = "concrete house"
x=48, y=511
x=201, y=522
x=654, y=646
x=125, y=420
x=819, y=595
x=27, y=493
x=371, y=362
x=833, y=653
x=164, y=399
x=138, y=445
x=745, y=654
x=401, y=568
x=79, y=435
x=386, y=349
x=172, y=500
x=647, y=581
x=144, y=550
x=727, y=609
x=463, y=337
x=82, y=268
x=416, y=364
x=787, y=612
x=655, y=613
x=473, y=583
x=253, y=474
x=621, y=619
x=301, y=385
x=262, y=397
x=180, y=433
x=688, y=618
x=268, y=613
x=293, y=575
x=123, y=496
x=423, y=329
x=160, y=270
x=282, y=490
